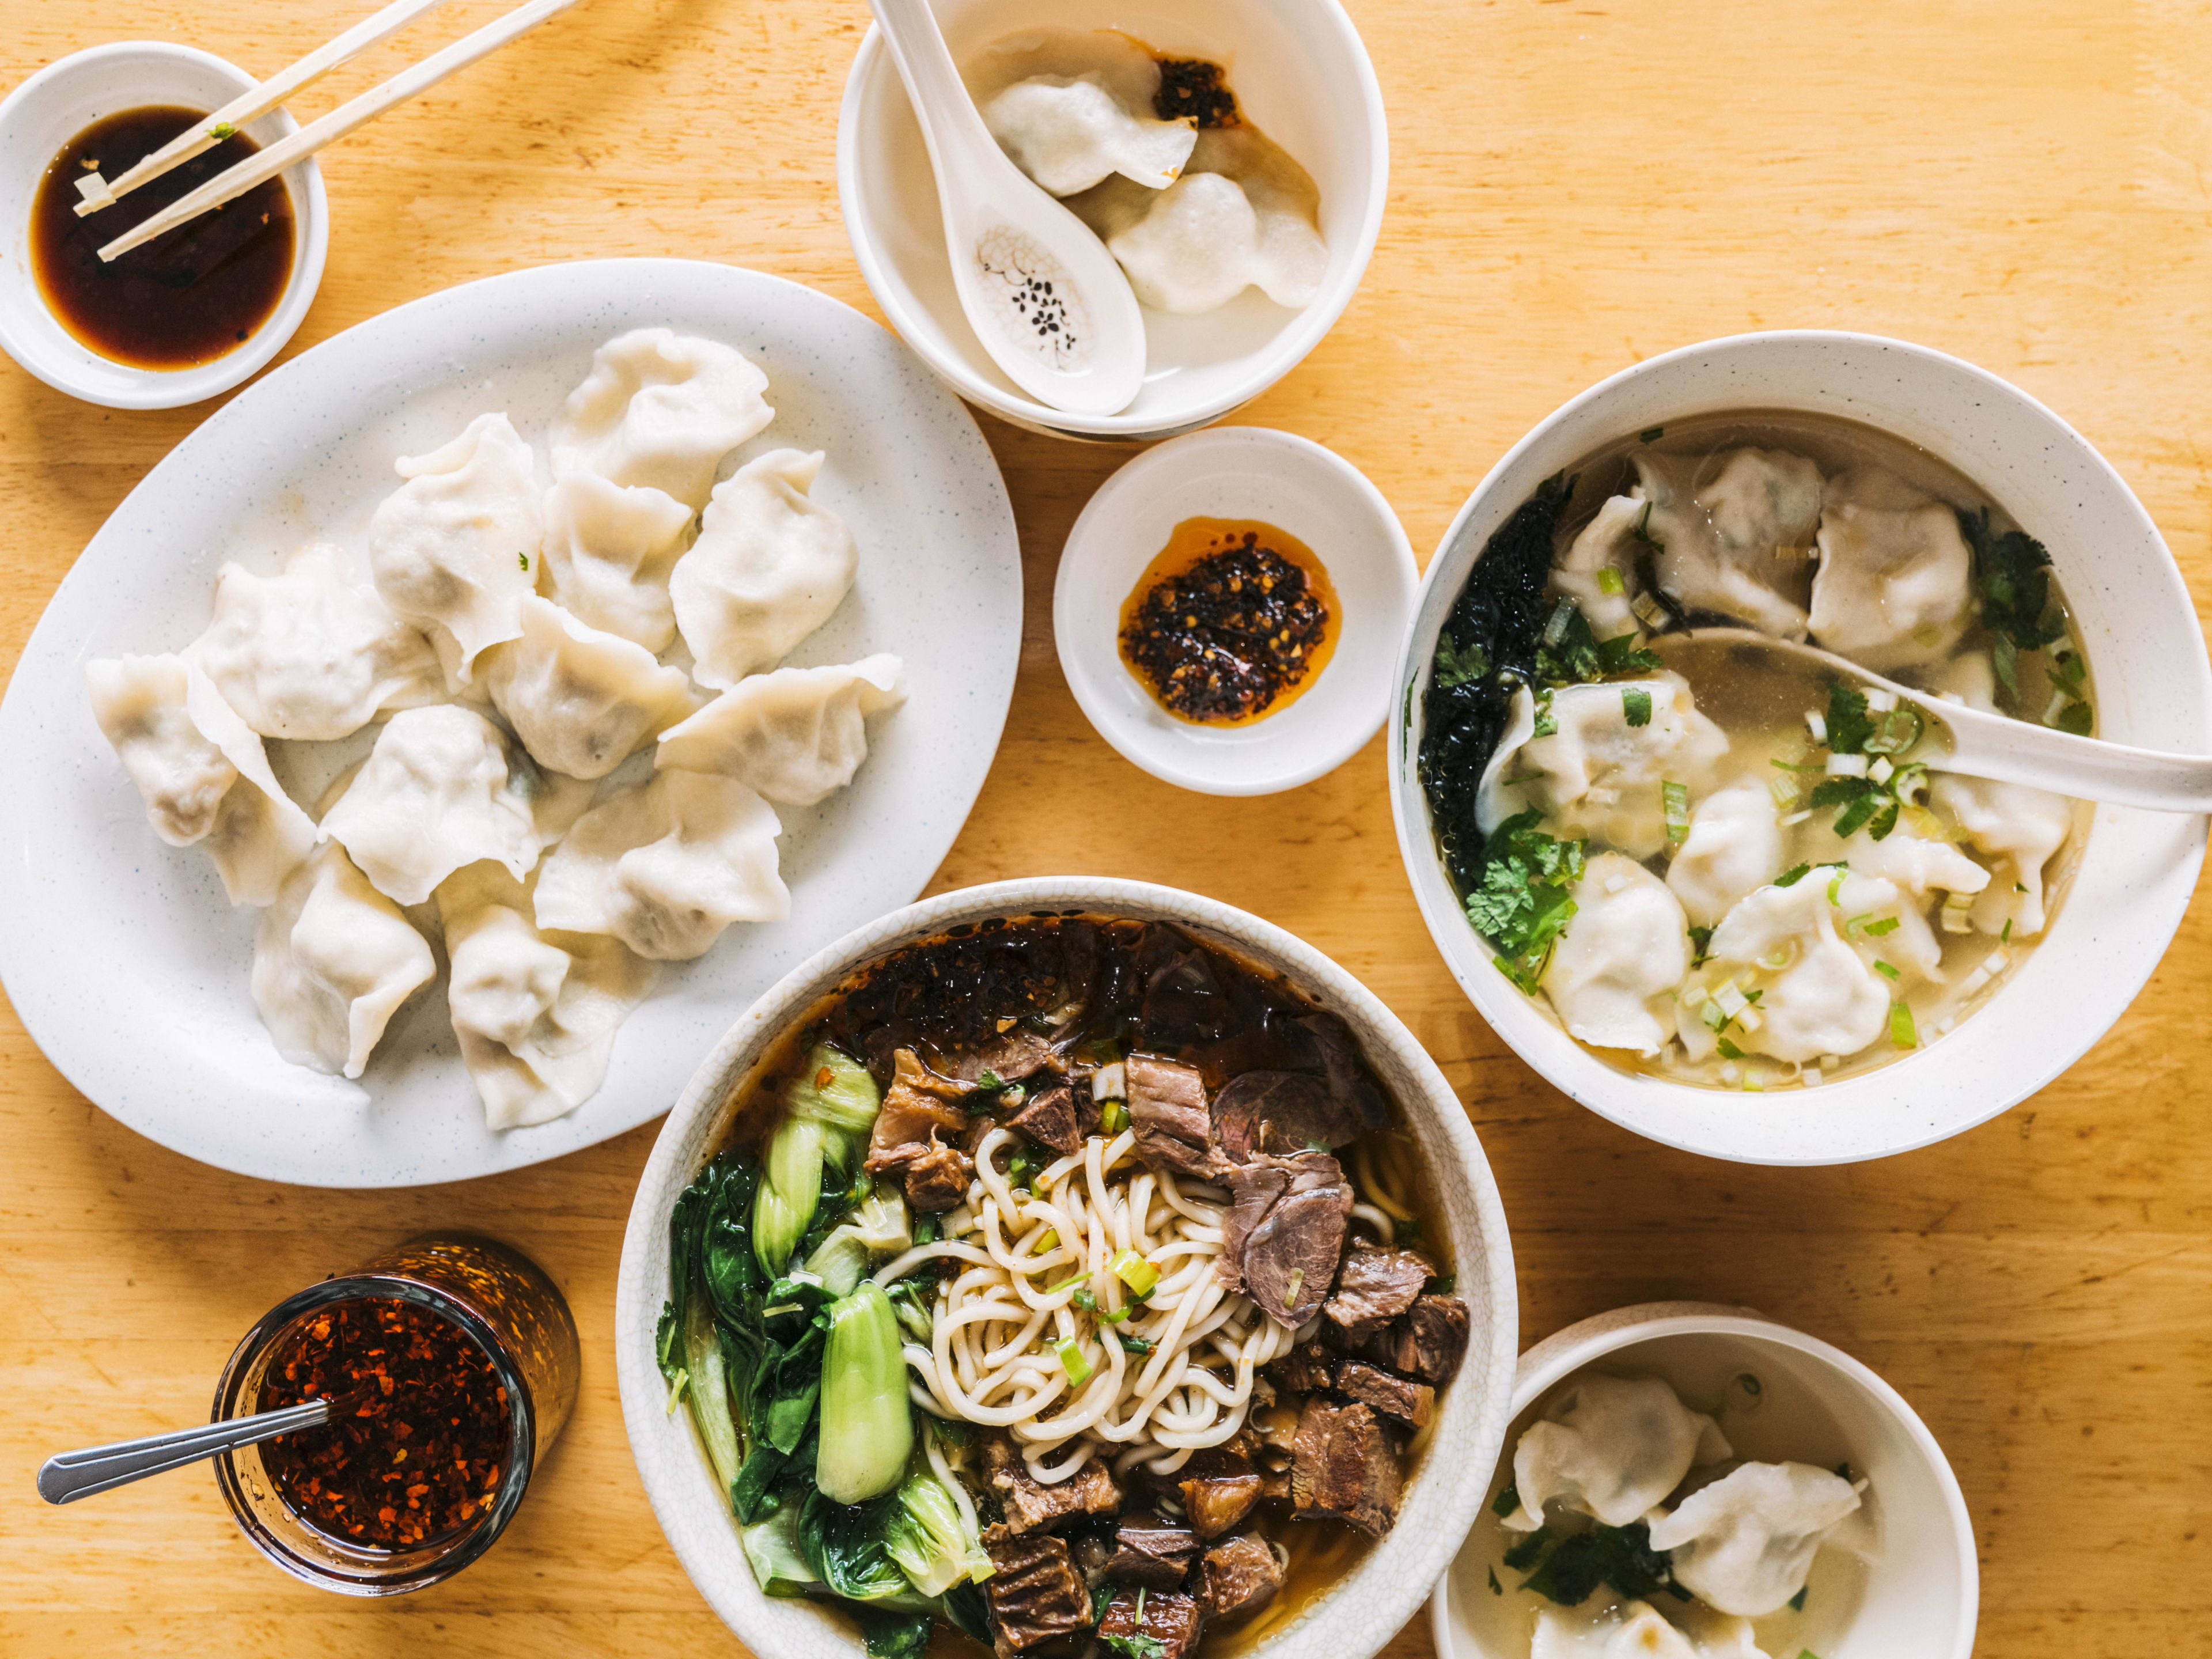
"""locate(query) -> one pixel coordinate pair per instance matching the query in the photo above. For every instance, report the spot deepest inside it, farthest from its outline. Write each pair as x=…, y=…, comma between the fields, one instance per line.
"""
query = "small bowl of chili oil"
x=194, y=312
x=1229, y=608
x=452, y=1364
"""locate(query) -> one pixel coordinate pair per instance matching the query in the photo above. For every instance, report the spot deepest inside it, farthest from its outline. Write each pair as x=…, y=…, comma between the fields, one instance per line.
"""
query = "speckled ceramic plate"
x=121, y=955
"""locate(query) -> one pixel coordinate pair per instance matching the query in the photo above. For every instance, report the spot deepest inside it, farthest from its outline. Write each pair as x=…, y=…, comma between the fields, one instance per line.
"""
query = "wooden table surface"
x=1574, y=187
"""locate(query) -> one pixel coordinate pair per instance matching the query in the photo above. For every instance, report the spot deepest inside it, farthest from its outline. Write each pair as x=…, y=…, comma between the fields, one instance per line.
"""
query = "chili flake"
x=418, y=1439
x=1225, y=635
x=1194, y=87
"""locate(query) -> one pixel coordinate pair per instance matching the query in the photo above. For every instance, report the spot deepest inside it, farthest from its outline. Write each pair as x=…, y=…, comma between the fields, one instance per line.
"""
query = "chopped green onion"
x=1116, y=1316
x=1084, y=1300
x=1138, y=1275
x=1792, y=876
x=1636, y=705
x=1897, y=732
x=2005, y=937
x=1901, y=1029
x=1133, y=1344
x=1114, y=1117
x=1054, y=1290
x=1836, y=886
x=1609, y=581
x=1797, y=1601
x=1291, y=1286
x=1072, y=1362
x=1677, y=799
x=1555, y=628
x=1887, y=972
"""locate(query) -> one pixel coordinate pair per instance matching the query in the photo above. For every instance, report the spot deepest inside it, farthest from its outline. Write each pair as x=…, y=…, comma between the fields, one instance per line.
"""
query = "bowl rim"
x=172, y=388
x=1295, y=454
x=1292, y=347
x=1588, y=1340
x=1485, y=1382
x=1596, y=1085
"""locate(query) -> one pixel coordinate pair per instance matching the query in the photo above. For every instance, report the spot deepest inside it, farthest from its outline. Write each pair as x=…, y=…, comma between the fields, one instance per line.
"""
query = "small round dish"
x=53, y=106
x=1236, y=472
x=1351, y=1619
x=1298, y=69
x=1807, y=1401
x=2136, y=871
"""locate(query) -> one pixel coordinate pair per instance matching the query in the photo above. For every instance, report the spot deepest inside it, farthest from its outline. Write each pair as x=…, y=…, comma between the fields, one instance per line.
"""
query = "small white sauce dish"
x=53, y=106
x=1299, y=72
x=1236, y=472
x=2134, y=872
x=1781, y=1397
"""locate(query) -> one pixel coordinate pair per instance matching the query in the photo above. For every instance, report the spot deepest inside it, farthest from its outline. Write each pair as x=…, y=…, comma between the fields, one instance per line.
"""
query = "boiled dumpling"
x=1206, y=240
x=1599, y=775
x=1895, y=588
x=202, y=774
x=536, y=1012
x=1745, y=1544
x=608, y=553
x=442, y=788
x=660, y=409
x=1918, y=864
x=1733, y=845
x=581, y=700
x=1733, y=532
x=1817, y=995
x=310, y=654
x=666, y=865
x=1608, y=542
x=2021, y=828
x=1635, y=1630
x=793, y=736
x=1612, y=974
x=769, y=566
x=333, y=962
x=455, y=549
x=1069, y=132
x=1610, y=1448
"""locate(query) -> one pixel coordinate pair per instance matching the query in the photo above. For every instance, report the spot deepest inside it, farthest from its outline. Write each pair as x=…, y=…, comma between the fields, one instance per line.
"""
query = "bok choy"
x=867, y=1423
x=827, y=1114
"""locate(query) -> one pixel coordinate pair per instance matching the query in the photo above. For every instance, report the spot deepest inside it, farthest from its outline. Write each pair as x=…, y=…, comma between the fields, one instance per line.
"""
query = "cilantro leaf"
x=1850, y=723
x=1523, y=902
x=1792, y=875
x=1456, y=665
x=1571, y=654
x=1636, y=705
x=2012, y=573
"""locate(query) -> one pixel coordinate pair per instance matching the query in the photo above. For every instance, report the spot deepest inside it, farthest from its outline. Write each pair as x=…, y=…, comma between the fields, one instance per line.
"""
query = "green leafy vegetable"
x=827, y=1113
x=1636, y=705
x=1792, y=875
x=1619, y=1558
x=2012, y=573
x=1701, y=941
x=1850, y=723
x=1728, y=1050
x=1901, y=1029
x=867, y=1425
x=926, y=1538
x=1524, y=900
x=876, y=1228
x=1457, y=666
x=1529, y=1550
x=1572, y=653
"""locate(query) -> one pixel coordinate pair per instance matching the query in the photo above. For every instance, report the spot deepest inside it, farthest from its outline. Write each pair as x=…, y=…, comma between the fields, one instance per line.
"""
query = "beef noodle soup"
x=1062, y=1283
x=1712, y=865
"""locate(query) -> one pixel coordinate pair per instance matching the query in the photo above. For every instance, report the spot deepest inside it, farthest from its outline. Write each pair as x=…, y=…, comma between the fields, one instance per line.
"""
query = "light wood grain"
x=1574, y=186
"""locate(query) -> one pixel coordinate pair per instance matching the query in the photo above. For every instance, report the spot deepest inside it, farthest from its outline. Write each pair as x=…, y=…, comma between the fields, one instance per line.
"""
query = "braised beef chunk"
x=1173, y=1621
x=1049, y=1119
x=1241, y=1576
x=1215, y=1505
x=1168, y=1110
x=1014, y=1053
x=1148, y=1551
x=917, y=1110
x=1409, y=1403
x=936, y=1180
x=1346, y=1466
x=1035, y=1592
x=1336, y=1051
x=1280, y=1112
x=1030, y=1507
x=1285, y=1231
x=1374, y=1287
x=1232, y=1456
x=1428, y=1340
x=1305, y=1369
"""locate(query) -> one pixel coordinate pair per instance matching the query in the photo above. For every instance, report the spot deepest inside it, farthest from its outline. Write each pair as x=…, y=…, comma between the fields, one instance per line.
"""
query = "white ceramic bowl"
x=2138, y=626
x=53, y=106
x=1921, y=1591
x=1237, y=472
x=1299, y=71
x=1350, y=1620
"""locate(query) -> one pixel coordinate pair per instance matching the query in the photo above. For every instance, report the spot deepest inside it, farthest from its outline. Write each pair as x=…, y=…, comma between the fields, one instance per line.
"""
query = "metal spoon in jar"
x=1047, y=299
x=68, y=1476
x=1980, y=745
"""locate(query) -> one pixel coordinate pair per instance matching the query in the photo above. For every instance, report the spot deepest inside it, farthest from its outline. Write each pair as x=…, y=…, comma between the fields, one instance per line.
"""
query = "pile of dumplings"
x=519, y=643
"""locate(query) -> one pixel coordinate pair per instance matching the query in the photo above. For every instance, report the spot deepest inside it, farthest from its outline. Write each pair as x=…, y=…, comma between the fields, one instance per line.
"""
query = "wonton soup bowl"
x=1299, y=72
x=2132, y=877
x=1350, y=1620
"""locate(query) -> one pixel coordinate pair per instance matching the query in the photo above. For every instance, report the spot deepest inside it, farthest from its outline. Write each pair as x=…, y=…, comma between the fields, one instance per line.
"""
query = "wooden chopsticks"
x=268, y=163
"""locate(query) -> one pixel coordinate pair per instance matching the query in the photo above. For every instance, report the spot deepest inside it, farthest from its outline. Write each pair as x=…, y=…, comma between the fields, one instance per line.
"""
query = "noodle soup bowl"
x=2124, y=885
x=1350, y=1618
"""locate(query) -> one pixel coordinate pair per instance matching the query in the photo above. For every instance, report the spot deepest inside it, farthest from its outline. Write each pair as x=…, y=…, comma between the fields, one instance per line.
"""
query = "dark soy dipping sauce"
x=184, y=299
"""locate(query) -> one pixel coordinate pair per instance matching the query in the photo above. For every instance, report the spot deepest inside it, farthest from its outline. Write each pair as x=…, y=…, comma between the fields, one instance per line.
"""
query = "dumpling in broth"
x=1611, y=541
x=1734, y=846
x=536, y=1012
x=1612, y=974
x=793, y=736
x=770, y=567
x=666, y=865
x=1745, y=1544
x=333, y=961
x=455, y=549
x=1610, y=1448
x=202, y=774
x=1817, y=995
x=1068, y=133
x=660, y=410
x=1895, y=585
x=1635, y=1630
x=581, y=700
x=1734, y=531
x=310, y=654
x=2021, y=828
x=608, y=553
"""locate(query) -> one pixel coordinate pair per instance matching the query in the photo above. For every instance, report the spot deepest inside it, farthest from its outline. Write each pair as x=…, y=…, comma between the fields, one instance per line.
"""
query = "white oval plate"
x=122, y=957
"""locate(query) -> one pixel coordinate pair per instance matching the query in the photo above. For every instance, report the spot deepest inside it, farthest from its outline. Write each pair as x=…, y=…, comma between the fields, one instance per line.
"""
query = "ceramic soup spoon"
x=1980, y=745
x=1045, y=297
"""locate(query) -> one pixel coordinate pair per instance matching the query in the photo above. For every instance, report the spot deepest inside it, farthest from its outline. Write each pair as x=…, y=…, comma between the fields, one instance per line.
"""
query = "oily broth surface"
x=1764, y=715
